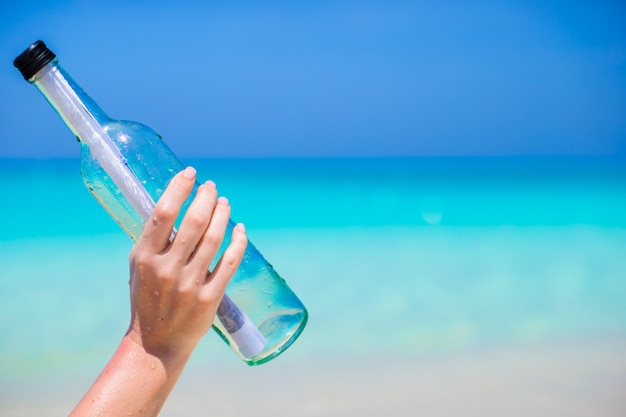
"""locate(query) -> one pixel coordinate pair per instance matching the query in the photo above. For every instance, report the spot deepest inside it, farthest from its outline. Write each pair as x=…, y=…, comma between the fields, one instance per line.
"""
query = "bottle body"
x=126, y=166
x=256, y=288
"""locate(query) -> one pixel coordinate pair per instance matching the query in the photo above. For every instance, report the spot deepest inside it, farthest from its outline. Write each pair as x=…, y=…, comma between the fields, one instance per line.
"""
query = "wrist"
x=168, y=354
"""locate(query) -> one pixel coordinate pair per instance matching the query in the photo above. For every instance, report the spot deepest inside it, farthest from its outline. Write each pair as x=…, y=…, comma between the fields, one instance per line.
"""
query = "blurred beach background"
x=443, y=186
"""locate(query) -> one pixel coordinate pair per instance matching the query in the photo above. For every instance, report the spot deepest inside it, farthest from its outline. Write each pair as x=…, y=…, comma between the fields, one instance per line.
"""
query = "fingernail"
x=222, y=200
x=240, y=228
x=210, y=183
x=189, y=173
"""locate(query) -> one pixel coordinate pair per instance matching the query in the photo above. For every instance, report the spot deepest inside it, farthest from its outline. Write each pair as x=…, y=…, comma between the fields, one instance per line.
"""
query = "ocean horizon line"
x=510, y=157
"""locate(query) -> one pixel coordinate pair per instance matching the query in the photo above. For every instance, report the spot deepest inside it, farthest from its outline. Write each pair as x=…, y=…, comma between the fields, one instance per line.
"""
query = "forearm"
x=134, y=382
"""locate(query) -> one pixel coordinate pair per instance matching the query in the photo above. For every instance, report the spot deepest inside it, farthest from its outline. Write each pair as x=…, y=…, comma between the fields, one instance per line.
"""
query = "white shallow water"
x=393, y=290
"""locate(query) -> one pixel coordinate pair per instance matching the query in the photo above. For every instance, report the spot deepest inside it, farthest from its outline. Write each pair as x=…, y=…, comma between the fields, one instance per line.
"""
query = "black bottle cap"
x=33, y=59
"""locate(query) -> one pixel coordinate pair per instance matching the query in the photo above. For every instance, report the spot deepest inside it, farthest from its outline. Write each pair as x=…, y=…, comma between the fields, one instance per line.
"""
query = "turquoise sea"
x=405, y=256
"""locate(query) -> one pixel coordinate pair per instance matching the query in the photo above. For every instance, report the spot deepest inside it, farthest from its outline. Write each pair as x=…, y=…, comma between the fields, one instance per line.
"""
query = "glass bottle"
x=126, y=166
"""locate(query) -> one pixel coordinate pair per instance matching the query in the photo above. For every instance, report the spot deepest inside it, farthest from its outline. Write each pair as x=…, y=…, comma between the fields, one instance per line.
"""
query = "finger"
x=212, y=238
x=196, y=221
x=157, y=230
x=228, y=263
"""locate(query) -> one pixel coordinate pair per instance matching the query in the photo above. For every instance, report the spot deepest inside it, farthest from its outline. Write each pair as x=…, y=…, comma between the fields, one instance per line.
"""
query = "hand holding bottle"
x=173, y=296
x=173, y=299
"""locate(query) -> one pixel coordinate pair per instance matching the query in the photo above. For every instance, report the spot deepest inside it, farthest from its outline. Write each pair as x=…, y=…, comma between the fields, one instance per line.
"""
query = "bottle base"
x=289, y=326
x=280, y=330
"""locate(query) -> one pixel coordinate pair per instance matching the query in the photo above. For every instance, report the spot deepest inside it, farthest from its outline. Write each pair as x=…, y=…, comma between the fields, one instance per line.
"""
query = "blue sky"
x=340, y=78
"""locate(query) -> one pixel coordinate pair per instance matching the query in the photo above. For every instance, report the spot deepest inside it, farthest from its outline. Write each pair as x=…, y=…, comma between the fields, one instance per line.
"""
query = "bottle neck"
x=79, y=112
x=88, y=122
